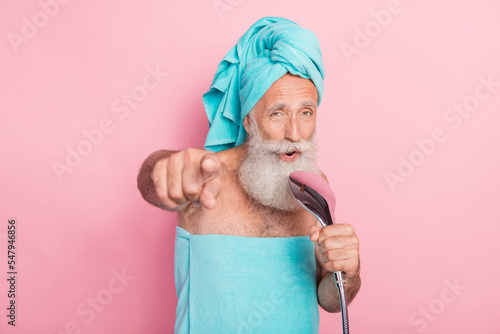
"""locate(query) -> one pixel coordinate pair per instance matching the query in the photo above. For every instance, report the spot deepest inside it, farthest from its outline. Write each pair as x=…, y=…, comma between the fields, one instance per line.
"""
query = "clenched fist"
x=338, y=247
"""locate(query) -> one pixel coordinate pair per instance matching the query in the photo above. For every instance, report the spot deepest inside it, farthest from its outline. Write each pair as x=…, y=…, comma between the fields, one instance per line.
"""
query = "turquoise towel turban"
x=268, y=50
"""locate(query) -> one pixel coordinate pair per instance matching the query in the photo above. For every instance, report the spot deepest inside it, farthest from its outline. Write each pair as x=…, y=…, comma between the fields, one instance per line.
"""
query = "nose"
x=292, y=132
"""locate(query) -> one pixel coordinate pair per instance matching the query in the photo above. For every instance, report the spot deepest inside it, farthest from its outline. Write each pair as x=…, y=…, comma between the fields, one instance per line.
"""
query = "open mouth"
x=290, y=156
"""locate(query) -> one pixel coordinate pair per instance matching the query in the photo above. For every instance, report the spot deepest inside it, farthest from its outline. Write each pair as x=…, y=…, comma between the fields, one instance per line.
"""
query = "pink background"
x=439, y=227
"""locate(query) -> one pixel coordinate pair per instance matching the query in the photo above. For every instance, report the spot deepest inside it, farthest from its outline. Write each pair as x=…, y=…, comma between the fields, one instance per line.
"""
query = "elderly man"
x=248, y=258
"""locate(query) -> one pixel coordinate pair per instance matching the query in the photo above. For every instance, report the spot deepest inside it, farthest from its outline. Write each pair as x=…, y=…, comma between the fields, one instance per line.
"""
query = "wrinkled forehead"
x=290, y=91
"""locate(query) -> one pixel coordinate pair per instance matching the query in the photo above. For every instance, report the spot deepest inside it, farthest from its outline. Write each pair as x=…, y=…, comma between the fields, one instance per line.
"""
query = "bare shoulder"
x=231, y=158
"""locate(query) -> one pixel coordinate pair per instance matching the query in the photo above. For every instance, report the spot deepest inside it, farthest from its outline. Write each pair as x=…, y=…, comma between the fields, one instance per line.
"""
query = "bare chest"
x=236, y=214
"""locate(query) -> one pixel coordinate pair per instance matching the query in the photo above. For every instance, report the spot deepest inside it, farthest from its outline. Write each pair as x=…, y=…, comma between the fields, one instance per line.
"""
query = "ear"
x=246, y=123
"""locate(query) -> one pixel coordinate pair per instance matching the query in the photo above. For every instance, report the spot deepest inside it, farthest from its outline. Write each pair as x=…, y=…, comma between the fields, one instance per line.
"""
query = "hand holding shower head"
x=315, y=195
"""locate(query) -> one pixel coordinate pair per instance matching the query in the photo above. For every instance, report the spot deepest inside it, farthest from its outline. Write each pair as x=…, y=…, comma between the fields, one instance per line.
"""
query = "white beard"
x=264, y=175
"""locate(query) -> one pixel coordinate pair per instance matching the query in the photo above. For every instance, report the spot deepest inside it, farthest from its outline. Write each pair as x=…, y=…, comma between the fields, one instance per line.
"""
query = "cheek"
x=274, y=130
x=307, y=129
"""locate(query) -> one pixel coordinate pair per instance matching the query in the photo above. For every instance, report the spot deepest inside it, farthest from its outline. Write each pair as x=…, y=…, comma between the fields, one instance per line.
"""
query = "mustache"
x=286, y=146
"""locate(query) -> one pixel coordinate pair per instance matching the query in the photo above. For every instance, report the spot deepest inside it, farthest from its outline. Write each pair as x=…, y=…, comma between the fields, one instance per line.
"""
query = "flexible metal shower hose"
x=343, y=307
x=339, y=282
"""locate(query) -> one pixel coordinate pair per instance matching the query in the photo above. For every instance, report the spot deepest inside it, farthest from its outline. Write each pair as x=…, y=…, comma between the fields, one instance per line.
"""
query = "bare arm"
x=336, y=249
x=328, y=295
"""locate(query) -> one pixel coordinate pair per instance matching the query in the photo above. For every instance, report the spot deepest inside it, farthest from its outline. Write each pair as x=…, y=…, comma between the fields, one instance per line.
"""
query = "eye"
x=307, y=113
x=276, y=114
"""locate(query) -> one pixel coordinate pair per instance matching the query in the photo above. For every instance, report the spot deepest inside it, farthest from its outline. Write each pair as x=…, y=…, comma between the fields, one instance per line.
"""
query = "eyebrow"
x=281, y=106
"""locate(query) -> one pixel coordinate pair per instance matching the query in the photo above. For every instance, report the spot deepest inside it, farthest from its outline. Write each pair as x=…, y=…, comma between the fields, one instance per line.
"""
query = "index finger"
x=210, y=166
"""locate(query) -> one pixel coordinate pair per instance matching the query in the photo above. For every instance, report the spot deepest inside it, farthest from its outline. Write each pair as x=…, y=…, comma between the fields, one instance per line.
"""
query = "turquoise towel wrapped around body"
x=271, y=47
x=232, y=284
